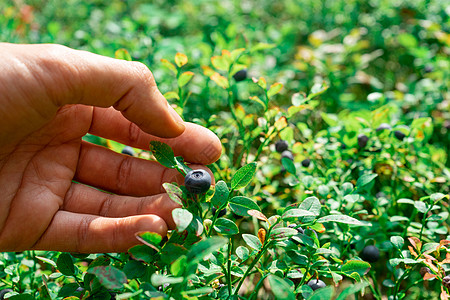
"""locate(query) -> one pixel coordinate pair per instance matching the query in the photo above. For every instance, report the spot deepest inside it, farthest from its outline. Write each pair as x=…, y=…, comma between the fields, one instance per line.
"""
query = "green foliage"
x=319, y=75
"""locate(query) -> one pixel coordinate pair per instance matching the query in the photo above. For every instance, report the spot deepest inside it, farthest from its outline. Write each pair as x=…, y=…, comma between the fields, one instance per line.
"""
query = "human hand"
x=50, y=180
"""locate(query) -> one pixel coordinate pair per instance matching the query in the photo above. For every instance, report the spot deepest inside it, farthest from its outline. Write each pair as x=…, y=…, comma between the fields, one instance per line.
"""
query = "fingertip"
x=151, y=223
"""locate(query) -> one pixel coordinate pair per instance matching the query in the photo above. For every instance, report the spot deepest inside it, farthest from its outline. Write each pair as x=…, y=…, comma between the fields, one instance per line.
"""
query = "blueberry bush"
x=334, y=177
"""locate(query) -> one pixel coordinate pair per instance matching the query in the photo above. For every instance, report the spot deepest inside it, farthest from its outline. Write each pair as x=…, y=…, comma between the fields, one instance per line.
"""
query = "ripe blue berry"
x=240, y=75
x=362, y=140
x=197, y=181
x=399, y=135
x=222, y=213
x=316, y=284
x=4, y=292
x=306, y=162
x=128, y=151
x=370, y=254
x=287, y=154
x=384, y=126
x=281, y=146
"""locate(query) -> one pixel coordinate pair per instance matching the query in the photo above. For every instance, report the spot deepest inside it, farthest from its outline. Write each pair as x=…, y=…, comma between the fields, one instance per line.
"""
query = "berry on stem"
x=370, y=254
x=362, y=140
x=240, y=75
x=281, y=146
x=384, y=126
x=399, y=135
x=197, y=181
x=306, y=162
x=128, y=151
x=316, y=284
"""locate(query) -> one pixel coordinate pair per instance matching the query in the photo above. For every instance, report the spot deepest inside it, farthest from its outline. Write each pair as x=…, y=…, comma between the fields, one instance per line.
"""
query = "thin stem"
x=230, y=248
x=254, y=262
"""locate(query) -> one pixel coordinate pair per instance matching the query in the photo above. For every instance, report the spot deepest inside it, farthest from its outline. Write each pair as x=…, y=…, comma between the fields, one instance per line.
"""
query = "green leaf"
x=220, y=80
x=199, y=292
x=288, y=165
x=221, y=193
x=351, y=290
x=330, y=119
x=220, y=63
x=325, y=293
x=296, y=213
x=280, y=288
x=252, y=241
x=46, y=260
x=163, y=154
x=181, y=59
x=171, y=95
x=407, y=40
x=341, y=219
x=159, y=279
x=262, y=46
x=365, y=180
x=174, y=192
x=177, y=267
x=65, y=264
x=420, y=206
x=274, y=89
x=397, y=241
x=123, y=54
x=236, y=53
x=407, y=261
x=142, y=253
x=185, y=78
x=134, y=269
x=358, y=266
x=109, y=276
x=182, y=167
x=311, y=204
x=282, y=233
x=226, y=227
x=242, y=253
x=241, y=205
x=259, y=101
x=151, y=239
x=243, y=176
x=182, y=218
x=204, y=248
x=169, y=66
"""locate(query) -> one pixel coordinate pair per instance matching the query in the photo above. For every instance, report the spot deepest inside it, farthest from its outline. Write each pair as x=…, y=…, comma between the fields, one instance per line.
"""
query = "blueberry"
x=197, y=181
x=362, y=140
x=4, y=292
x=306, y=162
x=299, y=229
x=281, y=146
x=287, y=154
x=384, y=126
x=240, y=75
x=316, y=284
x=446, y=281
x=370, y=254
x=428, y=69
x=399, y=135
x=222, y=213
x=128, y=151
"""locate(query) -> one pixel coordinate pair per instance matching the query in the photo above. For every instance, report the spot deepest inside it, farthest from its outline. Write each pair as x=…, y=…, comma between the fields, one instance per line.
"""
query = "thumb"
x=91, y=79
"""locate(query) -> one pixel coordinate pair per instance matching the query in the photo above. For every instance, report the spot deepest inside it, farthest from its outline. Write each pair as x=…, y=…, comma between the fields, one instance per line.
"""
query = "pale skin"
x=52, y=183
